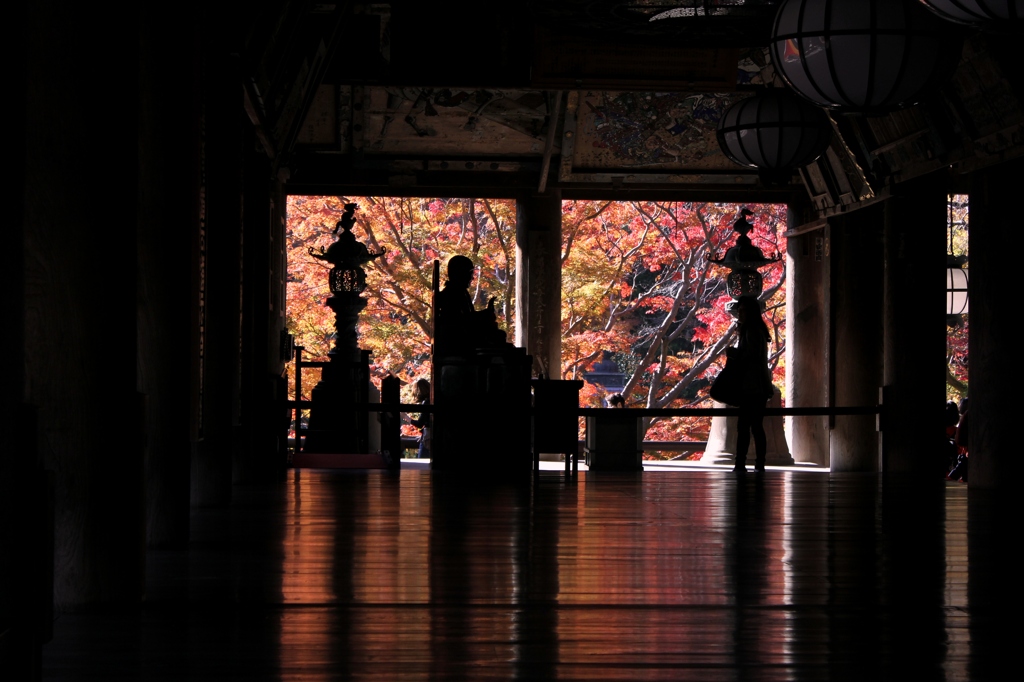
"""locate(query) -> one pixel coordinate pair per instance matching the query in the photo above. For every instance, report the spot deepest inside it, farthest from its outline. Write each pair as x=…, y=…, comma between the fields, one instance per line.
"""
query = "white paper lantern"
x=868, y=56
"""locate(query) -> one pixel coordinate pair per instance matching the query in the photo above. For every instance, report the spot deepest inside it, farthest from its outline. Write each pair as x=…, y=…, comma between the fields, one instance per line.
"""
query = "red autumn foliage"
x=638, y=286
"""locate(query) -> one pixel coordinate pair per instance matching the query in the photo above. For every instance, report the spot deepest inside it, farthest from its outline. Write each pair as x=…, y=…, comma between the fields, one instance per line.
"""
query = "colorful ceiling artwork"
x=750, y=66
x=654, y=130
x=454, y=121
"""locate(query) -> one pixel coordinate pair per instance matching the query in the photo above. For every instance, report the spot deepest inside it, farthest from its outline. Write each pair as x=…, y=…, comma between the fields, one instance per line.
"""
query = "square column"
x=996, y=358
x=914, y=341
x=539, y=281
x=806, y=342
x=855, y=359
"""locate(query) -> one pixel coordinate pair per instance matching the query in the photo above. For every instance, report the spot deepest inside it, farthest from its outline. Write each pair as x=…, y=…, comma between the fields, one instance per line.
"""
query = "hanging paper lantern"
x=775, y=132
x=868, y=56
x=956, y=290
x=992, y=15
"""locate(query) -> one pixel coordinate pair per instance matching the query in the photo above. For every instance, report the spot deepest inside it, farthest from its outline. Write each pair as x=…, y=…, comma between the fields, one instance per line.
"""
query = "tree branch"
x=954, y=383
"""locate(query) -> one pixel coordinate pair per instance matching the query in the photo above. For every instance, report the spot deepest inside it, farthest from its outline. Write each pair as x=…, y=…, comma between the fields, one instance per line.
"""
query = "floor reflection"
x=434, y=577
x=667, y=576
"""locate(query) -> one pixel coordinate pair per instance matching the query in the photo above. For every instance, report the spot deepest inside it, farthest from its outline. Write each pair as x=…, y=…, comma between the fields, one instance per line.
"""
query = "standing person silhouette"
x=751, y=354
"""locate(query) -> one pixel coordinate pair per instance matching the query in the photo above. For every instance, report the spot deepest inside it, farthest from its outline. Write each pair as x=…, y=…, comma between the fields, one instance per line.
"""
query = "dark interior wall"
x=105, y=269
x=25, y=582
x=114, y=189
x=81, y=210
x=241, y=393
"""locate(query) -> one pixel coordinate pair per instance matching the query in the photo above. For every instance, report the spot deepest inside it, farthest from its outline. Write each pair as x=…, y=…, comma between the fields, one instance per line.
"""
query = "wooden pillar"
x=277, y=326
x=995, y=355
x=539, y=281
x=221, y=354
x=257, y=456
x=915, y=328
x=856, y=335
x=169, y=195
x=80, y=253
x=806, y=341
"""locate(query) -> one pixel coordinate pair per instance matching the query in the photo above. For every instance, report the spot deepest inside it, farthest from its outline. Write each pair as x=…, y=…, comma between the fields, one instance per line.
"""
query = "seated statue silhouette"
x=460, y=329
x=477, y=374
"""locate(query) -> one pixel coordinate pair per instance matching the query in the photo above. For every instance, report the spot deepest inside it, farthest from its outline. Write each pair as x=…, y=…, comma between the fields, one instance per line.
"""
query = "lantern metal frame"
x=774, y=131
x=863, y=56
x=347, y=280
x=1001, y=16
x=743, y=260
x=957, y=294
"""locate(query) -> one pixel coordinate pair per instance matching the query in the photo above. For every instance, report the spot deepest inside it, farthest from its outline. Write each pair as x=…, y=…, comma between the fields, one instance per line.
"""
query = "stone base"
x=614, y=442
x=722, y=439
x=551, y=457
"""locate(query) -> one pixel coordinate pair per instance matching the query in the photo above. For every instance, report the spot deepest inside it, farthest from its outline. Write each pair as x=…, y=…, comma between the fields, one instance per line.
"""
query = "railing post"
x=391, y=422
x=298, y=399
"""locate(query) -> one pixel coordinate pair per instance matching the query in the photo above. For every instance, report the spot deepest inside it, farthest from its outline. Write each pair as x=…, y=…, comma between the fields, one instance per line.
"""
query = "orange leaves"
x=661, y=304
x=592, y=395
x=638, y=283
x=956, y=359
x=714, y=320
x=679, y=429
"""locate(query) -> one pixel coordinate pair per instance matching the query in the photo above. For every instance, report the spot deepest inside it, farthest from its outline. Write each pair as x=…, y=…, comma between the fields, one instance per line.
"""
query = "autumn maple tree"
x=639, y=285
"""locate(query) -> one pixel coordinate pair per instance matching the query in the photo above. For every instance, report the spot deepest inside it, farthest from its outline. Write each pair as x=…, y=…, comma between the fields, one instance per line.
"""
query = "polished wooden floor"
x=691, y=575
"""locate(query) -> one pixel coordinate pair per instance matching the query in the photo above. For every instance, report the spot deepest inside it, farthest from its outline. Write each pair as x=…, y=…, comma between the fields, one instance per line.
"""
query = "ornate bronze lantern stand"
x=335, y=423
x=743, y=261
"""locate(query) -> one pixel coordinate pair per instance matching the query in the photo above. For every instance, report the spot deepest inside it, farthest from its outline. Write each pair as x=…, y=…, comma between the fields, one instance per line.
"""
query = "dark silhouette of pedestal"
x=614, y=441
x=481, y=386
x=555, y=422
x=338, y=418
x=482, y=423
x=336, y=424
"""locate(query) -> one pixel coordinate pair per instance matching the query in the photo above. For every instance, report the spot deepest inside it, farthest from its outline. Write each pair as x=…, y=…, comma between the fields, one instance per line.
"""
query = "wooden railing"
x=296, y=407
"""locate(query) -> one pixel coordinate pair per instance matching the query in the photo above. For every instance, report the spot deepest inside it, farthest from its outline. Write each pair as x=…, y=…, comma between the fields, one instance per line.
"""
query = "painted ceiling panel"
x=452, y=122
x=655, y=130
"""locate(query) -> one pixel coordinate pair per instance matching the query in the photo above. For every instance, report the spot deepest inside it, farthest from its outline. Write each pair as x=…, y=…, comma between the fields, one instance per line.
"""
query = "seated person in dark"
x=422, y=421
x=952, y=419
x=460, y=328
